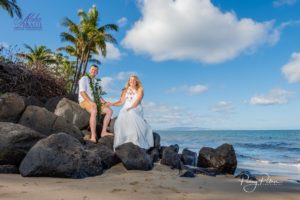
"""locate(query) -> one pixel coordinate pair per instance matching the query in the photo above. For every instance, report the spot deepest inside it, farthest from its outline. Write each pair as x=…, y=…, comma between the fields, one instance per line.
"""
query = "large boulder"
x=15, y=142
x=33, y=101
x=61, y=125
x=133, y=157
x=171, y=158
x=73, y=113
x=188, y=157
x=61, y=155
x=9, y=169
x=47, y=123
x=156, y=139
x=154, y=154
x=11, y=107
x=111, y=126
x=222, y=158
x=107, y=141
x=154, y=151
x=108, y=156
x=52, y=103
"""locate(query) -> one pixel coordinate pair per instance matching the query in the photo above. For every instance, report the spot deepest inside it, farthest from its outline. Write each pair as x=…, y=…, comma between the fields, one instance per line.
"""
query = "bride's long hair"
x=139, y=85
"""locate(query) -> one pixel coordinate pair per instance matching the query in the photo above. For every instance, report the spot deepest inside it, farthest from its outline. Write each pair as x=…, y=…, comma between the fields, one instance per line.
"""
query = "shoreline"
x=159, y=183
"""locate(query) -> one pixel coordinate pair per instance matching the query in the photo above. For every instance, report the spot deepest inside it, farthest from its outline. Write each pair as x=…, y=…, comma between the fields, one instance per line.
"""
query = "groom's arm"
x=85, y=96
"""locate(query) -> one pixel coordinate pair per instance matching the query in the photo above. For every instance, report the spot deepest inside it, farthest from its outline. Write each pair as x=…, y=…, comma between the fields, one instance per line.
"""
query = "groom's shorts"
x=88, y=106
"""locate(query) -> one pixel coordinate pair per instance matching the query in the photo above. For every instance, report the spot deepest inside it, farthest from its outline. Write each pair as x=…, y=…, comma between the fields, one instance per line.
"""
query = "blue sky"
x=217, y=64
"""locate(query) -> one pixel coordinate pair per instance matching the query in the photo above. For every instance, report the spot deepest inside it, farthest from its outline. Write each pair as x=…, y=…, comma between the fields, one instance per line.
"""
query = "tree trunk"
x=78, y=74
x=75, y=74
x=86, y=62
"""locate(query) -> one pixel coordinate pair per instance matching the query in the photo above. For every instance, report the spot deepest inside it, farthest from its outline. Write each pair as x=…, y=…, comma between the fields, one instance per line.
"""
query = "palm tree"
x=64, y=69
x=11, y=7
x=97, y=36
x=38, y=56
x=87, y=39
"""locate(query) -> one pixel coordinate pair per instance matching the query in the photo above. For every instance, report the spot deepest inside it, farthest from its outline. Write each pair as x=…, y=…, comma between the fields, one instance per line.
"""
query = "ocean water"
x=271, y=152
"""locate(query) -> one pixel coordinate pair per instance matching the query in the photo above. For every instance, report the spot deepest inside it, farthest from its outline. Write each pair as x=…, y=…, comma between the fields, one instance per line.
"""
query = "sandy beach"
x=159, y=183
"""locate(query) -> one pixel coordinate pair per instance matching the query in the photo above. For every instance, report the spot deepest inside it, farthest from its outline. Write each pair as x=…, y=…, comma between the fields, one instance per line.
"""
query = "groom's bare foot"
x=93, y=140
x=106, y=134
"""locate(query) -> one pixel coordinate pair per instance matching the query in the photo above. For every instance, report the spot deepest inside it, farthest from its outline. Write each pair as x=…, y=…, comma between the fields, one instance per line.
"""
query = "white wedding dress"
x=131, y=126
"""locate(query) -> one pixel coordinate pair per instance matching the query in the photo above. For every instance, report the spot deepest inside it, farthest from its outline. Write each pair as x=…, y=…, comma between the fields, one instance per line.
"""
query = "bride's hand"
x=108, y=103
x=128, y=109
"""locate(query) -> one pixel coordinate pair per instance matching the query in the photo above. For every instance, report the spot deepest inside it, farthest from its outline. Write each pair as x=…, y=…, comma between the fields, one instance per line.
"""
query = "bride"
x=130, y=125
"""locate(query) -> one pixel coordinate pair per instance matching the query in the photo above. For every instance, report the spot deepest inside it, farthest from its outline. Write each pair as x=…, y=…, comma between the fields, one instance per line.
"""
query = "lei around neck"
x=97, y=93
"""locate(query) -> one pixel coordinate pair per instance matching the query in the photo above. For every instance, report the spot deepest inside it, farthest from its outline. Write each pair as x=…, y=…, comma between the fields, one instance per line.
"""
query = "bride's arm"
x=140, y=95
x=121, y=101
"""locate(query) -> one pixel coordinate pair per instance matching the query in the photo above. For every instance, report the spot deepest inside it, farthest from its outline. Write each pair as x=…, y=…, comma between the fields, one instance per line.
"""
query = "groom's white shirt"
x=84, y=86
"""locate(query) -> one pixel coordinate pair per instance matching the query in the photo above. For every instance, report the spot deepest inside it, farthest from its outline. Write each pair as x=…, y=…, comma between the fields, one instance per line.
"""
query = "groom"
x=87, y=101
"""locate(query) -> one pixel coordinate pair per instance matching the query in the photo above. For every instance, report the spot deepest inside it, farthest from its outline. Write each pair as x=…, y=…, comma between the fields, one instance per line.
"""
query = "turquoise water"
x=272, y=152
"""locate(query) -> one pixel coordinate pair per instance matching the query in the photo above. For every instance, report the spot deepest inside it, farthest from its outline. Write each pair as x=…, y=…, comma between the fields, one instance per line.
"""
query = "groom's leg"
x=92, y=109
x=108, y=113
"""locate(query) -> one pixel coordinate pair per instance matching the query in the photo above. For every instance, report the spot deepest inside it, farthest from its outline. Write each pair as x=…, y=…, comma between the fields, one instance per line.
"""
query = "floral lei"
x=97, y=93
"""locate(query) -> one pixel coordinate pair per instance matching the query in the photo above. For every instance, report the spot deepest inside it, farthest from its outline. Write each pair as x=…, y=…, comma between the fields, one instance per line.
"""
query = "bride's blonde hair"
x=139, y=85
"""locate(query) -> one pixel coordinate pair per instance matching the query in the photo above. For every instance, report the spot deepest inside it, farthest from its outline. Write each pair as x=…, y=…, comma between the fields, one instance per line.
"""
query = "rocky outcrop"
x=107, y=141
x=9, y=169
x=33, y=101
x=108, y=156
x=61, y=155
x=134, y=157
x=11, y=107
x=188, y=157
x=54, y=144
x=154, y=154
x=72, y=113
x=15, y=142
x=187, y=174
x=156, y=139
x=171, y=157
x=111, y=125
x=47, y=123
x=222, y=158
x=52, y=103
x=201, y=170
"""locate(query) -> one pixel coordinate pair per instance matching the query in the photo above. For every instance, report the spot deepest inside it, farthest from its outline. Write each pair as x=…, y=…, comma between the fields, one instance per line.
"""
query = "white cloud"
x=223, y=107
x=274, y=97
x=275, y=36
x=190, y=90
x=279, y=3
x=193, y=29
x=109, y=83
x=291, y=70
x=196, y=89
x=112, y=53
x=122, y=22
x=161, y=116
x=124, y=75
x=4, y=44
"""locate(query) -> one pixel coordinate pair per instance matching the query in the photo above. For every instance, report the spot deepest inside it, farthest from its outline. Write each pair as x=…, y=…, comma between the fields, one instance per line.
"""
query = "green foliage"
x=86, y=39
x=38, y=56
x=43, y=59
x=65, y=68
x=97, y=93
x=11, y=7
